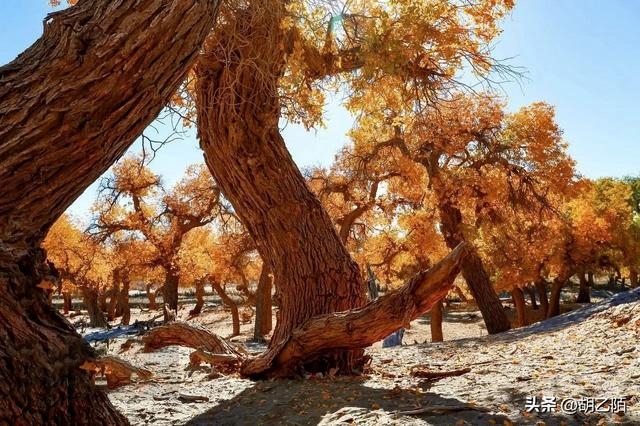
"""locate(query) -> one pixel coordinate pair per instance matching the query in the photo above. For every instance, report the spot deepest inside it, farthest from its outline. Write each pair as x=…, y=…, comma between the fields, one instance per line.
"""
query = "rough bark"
x=197, y=309
x=117, y=371
x=521, y=308
x=231, y=304
x=473, y=270
x=313, y=272
x=359, y=328
x=70, y=105
x=541, y=288
x=102, y=302
x=584, y=292
x=436, y=322
x=263, y=324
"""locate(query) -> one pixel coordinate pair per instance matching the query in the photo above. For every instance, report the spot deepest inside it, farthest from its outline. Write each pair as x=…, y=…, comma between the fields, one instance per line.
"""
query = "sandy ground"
x=589, y=352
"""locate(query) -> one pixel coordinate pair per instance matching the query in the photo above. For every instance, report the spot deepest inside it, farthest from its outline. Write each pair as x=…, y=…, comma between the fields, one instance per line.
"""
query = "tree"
x=272, y=49
x=77, y=86
x=134, y=201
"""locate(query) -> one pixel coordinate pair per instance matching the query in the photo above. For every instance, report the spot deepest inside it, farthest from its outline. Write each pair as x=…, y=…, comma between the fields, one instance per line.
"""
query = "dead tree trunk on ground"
x=70, y=105
x=436, y=322
x=263, y=305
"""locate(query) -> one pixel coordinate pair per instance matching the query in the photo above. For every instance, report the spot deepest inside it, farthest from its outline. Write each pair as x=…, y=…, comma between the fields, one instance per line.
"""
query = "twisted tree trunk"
x=238, y=115
x=263, y=305
x=70, y=105
x=197, y=309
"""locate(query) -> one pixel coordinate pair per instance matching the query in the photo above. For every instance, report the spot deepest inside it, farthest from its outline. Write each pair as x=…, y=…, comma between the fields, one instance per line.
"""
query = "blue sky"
x=580, y=55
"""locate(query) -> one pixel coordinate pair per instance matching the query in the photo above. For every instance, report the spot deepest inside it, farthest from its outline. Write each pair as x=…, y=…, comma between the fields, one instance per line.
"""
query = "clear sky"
x=581, y=55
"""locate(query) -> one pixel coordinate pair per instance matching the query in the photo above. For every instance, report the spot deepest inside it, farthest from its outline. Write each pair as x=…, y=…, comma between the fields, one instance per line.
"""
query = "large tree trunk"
x=521, y=308
x=436, y=322
x=541, y=287
x=91, y=302
x=313, y=272
x=473, y=271
x=584, y=293
x=235, y=317
x=70, y=105
x=263, y=305
x=170, y=291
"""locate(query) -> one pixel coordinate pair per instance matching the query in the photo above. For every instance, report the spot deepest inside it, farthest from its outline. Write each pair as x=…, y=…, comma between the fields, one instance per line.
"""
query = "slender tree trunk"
x=461, y=295
x=197, y=309
x=112, y=311
x=541, y=287
x=91, y=301
x=556, y=290
x=123, y=301
x=235, y=317
x=436, y=322
x=313, y=272
x=473, y=270
x=263, y=324
x=521, y=308
x=70, y=105
x=633, y=278
x=67, y=304
x=102, y=302
x=590, y=278
x=532, y=296
x=584, y=293
x=170, y=290
x=151, y=295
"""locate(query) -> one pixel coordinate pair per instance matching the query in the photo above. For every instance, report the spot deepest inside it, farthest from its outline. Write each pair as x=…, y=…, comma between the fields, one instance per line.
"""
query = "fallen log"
x=358, y=328
x=183, y=334
x=116, y=370
x=437, y=375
